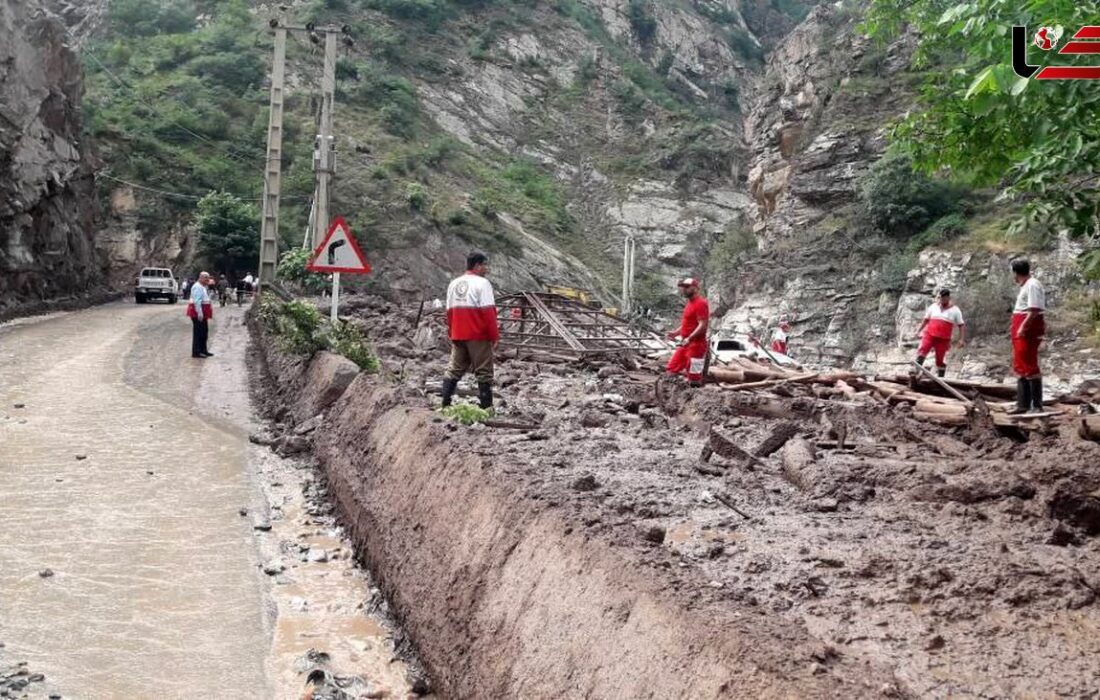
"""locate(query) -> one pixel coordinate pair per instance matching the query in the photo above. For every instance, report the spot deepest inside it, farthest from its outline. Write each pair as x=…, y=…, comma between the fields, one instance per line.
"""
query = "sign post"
x=338, y=253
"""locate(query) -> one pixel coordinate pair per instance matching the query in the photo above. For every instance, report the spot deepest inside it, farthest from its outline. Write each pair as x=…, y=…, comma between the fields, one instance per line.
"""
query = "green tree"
x=901, y=202
x=1039, y=141
x=229, y=232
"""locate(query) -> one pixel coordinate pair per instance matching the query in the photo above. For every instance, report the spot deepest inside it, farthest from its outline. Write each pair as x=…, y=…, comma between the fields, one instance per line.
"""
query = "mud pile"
x=640, y=538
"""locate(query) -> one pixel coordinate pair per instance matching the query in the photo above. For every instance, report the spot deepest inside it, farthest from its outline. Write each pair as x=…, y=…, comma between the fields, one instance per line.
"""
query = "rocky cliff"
x=47, y=194
x=855, y=296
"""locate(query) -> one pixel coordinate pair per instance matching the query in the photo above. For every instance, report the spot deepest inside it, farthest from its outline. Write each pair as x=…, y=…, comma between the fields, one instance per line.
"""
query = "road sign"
x=338, y=252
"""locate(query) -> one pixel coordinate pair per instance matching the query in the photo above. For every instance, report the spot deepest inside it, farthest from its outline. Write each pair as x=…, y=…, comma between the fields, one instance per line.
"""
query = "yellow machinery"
x=582, y=295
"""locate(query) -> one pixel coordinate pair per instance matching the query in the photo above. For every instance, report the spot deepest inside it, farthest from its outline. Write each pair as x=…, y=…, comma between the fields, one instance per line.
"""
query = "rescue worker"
x=779, y=337
x=936, y=330
x=1028, y=328
x=691, y=350
x=200, y=310
x=473, y=329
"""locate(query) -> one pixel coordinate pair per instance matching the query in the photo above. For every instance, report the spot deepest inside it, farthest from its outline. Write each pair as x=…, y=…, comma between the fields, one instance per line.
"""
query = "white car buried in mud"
x=742, y=347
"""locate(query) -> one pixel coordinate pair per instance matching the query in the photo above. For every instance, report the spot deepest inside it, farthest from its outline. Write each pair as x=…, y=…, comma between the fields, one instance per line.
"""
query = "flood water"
x=111, y=480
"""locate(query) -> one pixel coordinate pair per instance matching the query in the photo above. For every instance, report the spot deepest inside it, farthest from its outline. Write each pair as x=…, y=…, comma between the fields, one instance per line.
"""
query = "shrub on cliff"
x=902, y=202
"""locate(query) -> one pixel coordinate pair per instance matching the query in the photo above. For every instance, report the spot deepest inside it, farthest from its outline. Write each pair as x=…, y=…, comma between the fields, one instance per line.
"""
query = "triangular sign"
x=338, y=252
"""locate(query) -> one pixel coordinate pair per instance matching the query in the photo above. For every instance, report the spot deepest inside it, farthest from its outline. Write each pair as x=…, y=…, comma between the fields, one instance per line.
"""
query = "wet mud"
x=899, y=560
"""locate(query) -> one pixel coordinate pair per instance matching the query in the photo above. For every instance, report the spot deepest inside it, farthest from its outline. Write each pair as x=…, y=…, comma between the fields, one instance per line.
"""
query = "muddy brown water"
x=123, y=472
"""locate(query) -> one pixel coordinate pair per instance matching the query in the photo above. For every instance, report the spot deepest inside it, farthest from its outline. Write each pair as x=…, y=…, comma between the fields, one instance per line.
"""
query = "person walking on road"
x=200, y=310
x=691, y=350
x=939, y=324
x=474, y=333
x=1028, y=330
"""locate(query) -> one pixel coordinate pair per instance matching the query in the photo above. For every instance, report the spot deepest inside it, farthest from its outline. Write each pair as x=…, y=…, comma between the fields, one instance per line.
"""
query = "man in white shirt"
x=936, y=330
x=200, y=309
x=1028, y=331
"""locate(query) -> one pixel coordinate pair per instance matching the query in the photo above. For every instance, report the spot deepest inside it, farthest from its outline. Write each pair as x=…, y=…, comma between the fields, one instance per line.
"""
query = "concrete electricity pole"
x=628, y=275
x=323, y=158
x=273, y=166
x=326, y=147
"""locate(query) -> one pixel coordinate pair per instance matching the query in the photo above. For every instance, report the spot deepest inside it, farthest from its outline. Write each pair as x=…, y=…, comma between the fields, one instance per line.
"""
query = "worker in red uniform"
x=1028, y=330
x=780, y=336
x=474, y=331
x=691, y=350
x=936, y=330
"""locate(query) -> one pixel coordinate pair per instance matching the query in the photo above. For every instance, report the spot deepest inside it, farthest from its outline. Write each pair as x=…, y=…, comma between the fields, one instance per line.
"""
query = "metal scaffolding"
x=550, y=323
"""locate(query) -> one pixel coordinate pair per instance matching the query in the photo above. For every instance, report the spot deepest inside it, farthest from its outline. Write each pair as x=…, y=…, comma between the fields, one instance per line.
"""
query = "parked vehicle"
x=156, y=282
x=735, y=347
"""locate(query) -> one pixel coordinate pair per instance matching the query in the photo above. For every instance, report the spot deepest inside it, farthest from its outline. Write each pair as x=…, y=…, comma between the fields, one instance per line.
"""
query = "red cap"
x=688, y=282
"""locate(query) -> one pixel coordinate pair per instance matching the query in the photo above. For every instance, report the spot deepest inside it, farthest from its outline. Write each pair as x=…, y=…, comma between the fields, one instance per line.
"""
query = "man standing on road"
x=937, y=328
x=472, y=320
x=1028, y=330
x=200, y=310
x=691, y=350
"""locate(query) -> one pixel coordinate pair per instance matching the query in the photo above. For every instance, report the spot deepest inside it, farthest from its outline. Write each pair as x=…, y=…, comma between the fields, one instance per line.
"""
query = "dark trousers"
x=199, y=332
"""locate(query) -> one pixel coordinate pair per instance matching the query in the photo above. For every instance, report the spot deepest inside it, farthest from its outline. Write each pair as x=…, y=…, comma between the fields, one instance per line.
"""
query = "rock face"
x=816, y=124
x=47, y=195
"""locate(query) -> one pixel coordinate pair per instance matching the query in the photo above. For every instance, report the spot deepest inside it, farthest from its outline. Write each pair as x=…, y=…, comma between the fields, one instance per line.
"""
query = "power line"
x=226, y=150
x=178, y=195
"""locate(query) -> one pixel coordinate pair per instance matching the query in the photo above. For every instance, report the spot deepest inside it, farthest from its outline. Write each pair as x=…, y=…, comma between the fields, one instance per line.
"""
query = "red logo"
x=1085, y=42
x=1045, y=38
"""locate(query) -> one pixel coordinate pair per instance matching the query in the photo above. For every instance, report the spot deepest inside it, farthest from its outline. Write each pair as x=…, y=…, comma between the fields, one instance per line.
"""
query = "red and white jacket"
x=941, y=321
x=472, y=309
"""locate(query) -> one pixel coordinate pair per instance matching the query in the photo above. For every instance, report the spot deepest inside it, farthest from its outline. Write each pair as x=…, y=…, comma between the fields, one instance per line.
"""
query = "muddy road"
x=146, y=546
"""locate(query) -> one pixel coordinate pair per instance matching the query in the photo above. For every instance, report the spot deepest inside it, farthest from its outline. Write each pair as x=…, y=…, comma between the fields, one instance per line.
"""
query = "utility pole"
x=273, y=167
x=628, y=275
x=323, y=163
x=323, y=158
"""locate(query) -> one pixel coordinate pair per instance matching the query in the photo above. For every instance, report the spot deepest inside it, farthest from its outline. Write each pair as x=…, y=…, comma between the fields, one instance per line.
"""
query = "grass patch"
x=466, y=414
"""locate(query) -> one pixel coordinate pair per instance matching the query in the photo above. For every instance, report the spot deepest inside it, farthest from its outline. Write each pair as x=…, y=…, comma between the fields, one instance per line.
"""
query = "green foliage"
x=416, y=196
x=228, y=232
x=522, y=189
x=744, y=45
x=432, y=13
x=1038, y=140
x=292, y=268
x=943, y=230
x=394, y=97
x=641, y=21
x=466, y=414
x=652, y=291
x=231, y=70
x=150, y=17
x=901, y=201
x=893, y=270
x=302, y=329
x=728, y=252
x=345, y=339
x=297, y=324
x=632, y=103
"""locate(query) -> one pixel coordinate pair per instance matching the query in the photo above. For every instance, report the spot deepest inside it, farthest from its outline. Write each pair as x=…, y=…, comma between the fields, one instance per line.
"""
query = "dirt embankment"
x=506, y=592
x=675, y=543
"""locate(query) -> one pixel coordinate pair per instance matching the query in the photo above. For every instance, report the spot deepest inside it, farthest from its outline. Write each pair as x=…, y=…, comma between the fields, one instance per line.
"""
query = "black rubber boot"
x=1036, y=394
x=1023, y=398
x=450, y=386
x=485, y=395
x=941, y=371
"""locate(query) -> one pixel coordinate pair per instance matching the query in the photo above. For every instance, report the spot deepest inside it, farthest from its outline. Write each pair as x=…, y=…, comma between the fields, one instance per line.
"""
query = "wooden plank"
x=944, y=385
